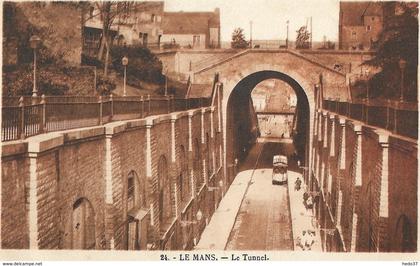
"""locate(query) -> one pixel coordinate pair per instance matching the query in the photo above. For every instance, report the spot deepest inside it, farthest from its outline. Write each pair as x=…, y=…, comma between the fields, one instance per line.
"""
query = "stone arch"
x=366, y=230
x=404, y=239
x=135, y=198
x=136, y=191
x=240, y=86
x=83, y=225
x=165, y=193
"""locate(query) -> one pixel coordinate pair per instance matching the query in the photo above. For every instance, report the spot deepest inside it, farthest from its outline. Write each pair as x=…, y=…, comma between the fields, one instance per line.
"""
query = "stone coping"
x=360, y=126
x=51, y=140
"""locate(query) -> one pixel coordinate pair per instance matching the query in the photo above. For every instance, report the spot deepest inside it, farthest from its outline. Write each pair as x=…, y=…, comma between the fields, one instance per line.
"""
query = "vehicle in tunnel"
x=279, y=170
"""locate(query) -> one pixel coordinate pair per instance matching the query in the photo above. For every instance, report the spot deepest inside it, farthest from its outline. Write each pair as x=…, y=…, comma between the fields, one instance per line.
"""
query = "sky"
x=268, y=16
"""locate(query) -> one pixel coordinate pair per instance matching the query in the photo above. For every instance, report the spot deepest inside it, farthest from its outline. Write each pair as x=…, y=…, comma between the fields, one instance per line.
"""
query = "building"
x=360, y=24
x=198, y=30
x=140, y=25
x=146, y=24
x=143, y=26
x=259, y=101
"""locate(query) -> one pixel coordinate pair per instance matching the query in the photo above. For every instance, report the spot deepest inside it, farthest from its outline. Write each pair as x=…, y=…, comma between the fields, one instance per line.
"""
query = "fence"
x=27, y=116
x=399, y=117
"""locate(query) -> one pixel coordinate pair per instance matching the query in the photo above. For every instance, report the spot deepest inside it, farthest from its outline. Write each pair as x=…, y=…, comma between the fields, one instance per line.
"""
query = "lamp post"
x=367, y=71
x=287, y=34
x=124, y=62
x=250, y=37
x=402, y=64
x=34, y=42
x=166, y=80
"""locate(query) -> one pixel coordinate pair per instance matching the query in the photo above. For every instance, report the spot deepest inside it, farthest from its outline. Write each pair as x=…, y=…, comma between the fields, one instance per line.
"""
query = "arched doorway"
x=136, y=211
x=165, y=198
x=83, y=225
x=404, y=238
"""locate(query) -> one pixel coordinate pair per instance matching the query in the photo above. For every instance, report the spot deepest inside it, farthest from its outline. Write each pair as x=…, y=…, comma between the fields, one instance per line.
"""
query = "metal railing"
x=28, y=116
x=398, y=117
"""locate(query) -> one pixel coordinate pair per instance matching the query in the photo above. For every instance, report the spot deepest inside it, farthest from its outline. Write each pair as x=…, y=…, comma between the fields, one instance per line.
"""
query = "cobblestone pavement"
x=263, y=221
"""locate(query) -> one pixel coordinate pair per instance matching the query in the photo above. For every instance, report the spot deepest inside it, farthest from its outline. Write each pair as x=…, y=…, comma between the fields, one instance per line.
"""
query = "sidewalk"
x=217, y=232
x=301, y=218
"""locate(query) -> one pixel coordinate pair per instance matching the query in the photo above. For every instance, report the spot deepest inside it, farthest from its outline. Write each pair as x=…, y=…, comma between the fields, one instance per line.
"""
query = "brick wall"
x=15, y=179
x=93, y=164
x=377, y=180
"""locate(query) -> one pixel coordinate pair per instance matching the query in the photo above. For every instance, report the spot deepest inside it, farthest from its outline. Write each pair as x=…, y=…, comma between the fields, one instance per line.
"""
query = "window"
x=153, y=18
x=196, y=40
x=130, y=192
x=373, y=18
x=91, y=9
x=140, y=35
x=368, y=28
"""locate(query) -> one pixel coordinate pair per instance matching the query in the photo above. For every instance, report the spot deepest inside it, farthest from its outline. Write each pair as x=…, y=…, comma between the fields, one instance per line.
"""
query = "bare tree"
x=302, y=38
x=109, y=12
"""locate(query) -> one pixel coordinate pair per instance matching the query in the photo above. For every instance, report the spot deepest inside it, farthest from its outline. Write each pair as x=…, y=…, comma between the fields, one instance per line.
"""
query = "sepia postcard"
x=209, y=130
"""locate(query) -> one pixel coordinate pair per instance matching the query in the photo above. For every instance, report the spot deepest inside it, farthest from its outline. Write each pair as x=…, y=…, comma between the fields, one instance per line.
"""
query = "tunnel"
x=242, y=128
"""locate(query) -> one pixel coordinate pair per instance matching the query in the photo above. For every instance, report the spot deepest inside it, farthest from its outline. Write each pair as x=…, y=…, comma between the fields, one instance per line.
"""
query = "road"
x=263, y=221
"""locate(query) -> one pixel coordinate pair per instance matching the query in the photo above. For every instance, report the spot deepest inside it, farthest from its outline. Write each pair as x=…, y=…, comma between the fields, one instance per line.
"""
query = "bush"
x=170, y=46
x=91, y=61
x=105, y=85
x=142, y=65
x=51, y=80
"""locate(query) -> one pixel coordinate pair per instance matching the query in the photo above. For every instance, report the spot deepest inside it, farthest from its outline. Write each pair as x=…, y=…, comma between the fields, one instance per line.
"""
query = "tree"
x=109, y=13
x=302, y=38
x=398, y=40
x=238, y=39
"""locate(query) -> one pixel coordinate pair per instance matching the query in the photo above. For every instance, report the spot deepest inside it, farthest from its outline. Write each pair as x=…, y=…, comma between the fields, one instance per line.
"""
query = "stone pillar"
x=173, y=140
x=33, y=202
x=333, y=136
x=358, y=171
x=383, y=237
x=213, y=144
x=203, y=147
x=339, y=208
x=173, y=171
x=354, y=233
x=219, y=109
x=176, y=200
x=109, y=201
x=212, y=122
x=319, y=129
x=149, y=124
x=190, y=149
x=343, y=144
x=325, y=143
x=357, y=184
x=190, y=115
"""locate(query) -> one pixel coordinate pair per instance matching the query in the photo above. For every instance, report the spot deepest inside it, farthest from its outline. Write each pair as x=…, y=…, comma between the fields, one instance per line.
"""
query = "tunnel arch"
x=238, y=99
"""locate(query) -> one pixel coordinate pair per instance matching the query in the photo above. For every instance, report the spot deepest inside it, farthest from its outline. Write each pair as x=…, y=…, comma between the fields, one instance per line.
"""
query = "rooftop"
x=190, y=22
x=352, y=12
